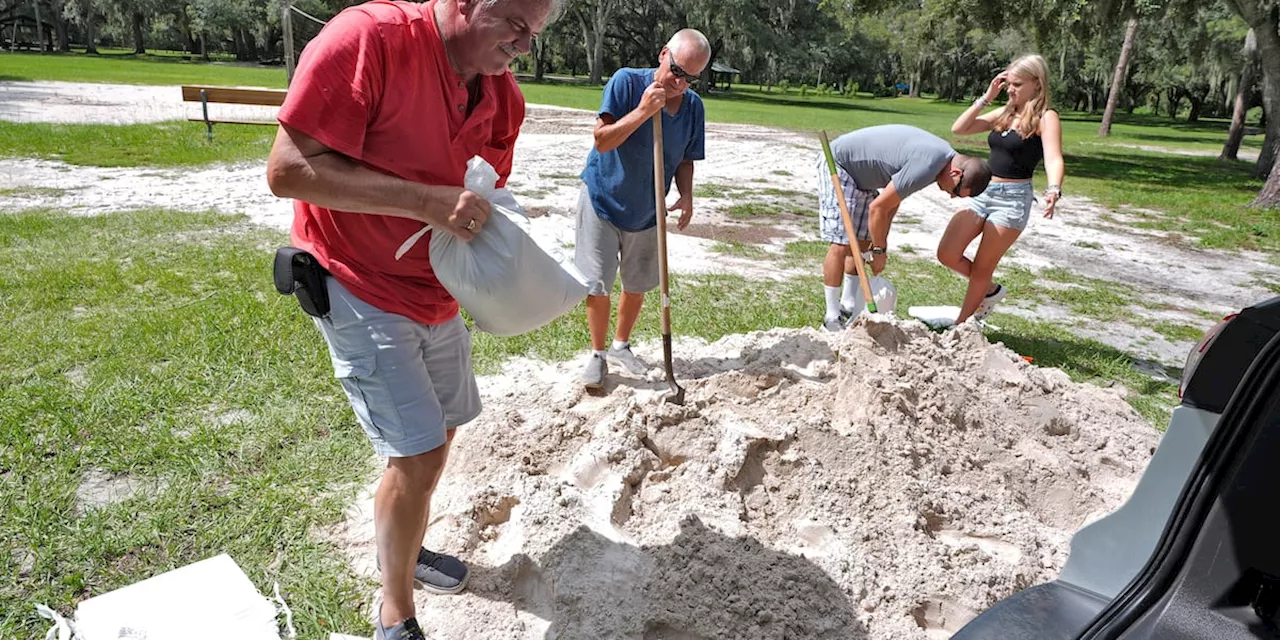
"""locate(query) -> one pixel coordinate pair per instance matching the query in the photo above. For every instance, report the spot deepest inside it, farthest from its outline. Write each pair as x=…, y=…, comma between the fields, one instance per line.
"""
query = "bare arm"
x=970, y=122
x=684, y=183
x=610, y=133
x=302, y=168
x=879, y=216
x=1054, y=167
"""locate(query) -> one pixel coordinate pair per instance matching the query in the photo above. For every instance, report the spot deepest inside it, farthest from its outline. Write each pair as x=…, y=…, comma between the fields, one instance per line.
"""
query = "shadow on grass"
x=816, y=102
x=1217, y=137
x=1085, y=359
x=1207, y=126
x=1169, y=171
x=9, y=78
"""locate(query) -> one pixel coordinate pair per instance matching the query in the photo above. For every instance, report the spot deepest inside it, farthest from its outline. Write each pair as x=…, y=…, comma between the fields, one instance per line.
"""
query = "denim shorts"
x=409, y=383
x=1006, y=204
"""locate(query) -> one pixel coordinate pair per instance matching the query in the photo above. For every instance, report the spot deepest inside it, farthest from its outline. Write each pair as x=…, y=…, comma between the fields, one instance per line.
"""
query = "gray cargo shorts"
x=409, y=383
x=600, y=248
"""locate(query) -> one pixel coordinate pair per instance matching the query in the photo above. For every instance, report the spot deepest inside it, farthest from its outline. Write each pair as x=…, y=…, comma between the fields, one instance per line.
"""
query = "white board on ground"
x=207, y=600
x=943, y=316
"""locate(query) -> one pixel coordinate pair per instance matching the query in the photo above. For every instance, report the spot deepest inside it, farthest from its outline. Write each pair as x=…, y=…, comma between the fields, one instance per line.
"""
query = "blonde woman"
x=1021, y=133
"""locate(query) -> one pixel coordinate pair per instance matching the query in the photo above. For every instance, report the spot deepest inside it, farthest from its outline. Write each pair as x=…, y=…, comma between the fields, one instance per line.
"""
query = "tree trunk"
x=254, y=51
x=184, y=25
x=1260, y=16
x=539, y=64
x=595, y=24
x=90, y=33
x=204, y=47
x=39, y=26
x=597, y=55
x=916, y=77
x=1174, y=101
x=1117, y=79
x=60, y=26
x=139, y=47
x=1270, y=194
x=588, y=43
x=1196, y=104
x=1269, y=56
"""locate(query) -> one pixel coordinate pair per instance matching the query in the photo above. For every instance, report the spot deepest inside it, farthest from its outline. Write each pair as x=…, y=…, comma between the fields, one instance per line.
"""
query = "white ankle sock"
x=598, y=353
x=848, y=295
x=618, y=345
x=833, y=303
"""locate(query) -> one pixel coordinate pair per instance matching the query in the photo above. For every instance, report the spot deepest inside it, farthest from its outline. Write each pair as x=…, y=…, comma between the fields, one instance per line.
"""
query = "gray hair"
x=690, y=38
x=557, y=8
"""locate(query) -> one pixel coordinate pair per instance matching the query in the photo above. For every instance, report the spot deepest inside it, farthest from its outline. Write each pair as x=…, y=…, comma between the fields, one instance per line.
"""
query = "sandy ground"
x=885, y=484
x=552, y=150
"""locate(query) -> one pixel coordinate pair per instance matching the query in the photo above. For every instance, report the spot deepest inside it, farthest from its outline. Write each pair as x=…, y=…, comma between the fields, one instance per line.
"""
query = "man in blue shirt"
x=616, y=210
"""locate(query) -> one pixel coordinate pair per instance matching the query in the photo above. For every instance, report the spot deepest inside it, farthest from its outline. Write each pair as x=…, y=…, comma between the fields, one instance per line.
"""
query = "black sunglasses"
x=679, y=73
x=956, y=191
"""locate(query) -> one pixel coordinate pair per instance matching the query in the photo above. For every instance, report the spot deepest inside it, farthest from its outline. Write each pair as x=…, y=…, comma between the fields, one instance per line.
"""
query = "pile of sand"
x=888, y=482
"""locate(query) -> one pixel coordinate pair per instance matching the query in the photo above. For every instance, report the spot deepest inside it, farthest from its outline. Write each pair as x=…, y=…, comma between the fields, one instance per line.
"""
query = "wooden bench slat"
x=229, y=121
x=227, y=95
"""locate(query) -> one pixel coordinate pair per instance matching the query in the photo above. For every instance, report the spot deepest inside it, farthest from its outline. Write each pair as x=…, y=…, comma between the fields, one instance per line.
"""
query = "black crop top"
x=1013, y=157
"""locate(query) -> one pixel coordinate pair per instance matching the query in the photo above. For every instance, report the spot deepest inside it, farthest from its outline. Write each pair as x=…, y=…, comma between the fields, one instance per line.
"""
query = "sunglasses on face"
x=956, y=191
x=678, y=72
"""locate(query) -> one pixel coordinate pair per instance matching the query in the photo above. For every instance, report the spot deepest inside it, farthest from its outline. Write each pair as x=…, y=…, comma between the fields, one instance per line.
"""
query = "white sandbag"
x=506, y=282
x=882, y=291
x=208, y=600
x=937, y=316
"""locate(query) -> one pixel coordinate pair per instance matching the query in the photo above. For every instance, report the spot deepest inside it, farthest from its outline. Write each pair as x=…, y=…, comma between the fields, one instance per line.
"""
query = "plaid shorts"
x=830, y=222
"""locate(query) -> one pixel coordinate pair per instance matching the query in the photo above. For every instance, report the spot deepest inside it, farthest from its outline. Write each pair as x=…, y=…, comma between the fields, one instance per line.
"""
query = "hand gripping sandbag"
x=506, y=282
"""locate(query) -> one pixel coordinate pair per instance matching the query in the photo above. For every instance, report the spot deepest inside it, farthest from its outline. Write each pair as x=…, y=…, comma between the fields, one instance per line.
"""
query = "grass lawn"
x=121, y=67
x=151, y=348
x=166, y=144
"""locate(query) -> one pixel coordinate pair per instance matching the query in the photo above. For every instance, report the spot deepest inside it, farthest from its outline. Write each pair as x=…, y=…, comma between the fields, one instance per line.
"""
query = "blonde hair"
x=1027, y=120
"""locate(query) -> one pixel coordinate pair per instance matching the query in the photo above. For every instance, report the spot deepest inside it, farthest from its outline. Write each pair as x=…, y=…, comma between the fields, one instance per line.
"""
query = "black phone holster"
x=297, y=273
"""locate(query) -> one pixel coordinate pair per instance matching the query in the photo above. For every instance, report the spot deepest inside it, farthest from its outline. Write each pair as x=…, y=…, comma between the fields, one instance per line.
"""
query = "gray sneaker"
x=437, y=572
x=597, y=369
x=833, y=325
x=406, y=630
x=989, y=302
x=628, y=360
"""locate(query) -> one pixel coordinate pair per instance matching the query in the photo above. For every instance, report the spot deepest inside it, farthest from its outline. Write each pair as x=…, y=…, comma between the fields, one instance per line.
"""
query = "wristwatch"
x=877, y=251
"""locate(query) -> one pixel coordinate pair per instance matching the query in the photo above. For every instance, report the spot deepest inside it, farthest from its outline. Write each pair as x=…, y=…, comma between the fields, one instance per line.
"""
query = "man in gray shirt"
x=878, y=167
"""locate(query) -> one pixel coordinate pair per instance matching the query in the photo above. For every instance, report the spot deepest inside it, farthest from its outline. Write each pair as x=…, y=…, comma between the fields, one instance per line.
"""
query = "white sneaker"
x=628, y=360
x=989, y=303
x=597, y=368
x=833, y=325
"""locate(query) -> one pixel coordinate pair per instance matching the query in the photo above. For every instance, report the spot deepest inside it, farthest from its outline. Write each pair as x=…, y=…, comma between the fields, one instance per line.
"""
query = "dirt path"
x=770, y=169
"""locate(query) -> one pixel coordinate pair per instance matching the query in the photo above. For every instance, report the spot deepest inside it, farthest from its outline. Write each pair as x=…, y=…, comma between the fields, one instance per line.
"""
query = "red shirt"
x=376, y=86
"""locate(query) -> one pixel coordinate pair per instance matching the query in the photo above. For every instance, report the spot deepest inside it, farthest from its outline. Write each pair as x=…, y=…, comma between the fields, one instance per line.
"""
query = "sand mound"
x=884, y=483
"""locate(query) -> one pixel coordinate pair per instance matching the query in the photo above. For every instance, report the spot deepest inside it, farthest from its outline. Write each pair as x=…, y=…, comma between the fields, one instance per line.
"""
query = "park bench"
x=225, y=95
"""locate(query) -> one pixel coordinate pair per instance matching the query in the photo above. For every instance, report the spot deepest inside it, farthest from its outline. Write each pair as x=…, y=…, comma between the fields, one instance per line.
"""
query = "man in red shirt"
x=388, y=104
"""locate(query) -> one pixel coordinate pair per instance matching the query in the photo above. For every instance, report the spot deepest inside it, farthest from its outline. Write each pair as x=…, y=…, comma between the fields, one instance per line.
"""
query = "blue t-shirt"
x=620, y=182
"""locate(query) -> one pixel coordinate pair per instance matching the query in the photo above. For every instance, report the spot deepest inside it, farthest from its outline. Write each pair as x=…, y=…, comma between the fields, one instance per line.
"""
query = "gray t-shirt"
x=909, y=156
